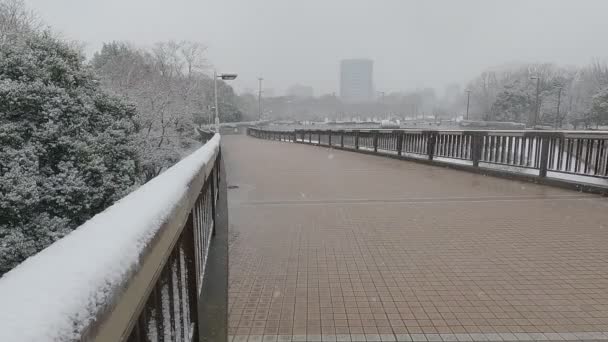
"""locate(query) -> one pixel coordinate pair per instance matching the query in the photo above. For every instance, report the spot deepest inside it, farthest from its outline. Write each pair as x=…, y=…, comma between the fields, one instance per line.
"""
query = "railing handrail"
x=508, y=153
x=528, y=131
x=76, y=288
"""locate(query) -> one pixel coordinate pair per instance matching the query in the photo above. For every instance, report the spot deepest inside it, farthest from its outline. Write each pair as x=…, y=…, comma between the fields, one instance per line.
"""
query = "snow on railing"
x=72, y=288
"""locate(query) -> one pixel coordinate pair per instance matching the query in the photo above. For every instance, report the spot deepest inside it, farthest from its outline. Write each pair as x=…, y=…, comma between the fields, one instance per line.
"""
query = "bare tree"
x=15, y=19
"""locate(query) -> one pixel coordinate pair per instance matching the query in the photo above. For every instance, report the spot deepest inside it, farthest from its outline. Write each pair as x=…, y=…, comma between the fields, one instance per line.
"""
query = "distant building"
x=268, y=92
x=298, y=90
x=452, y=93
x=356, y=80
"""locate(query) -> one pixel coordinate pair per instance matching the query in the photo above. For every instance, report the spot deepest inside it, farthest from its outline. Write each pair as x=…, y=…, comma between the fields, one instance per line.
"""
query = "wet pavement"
x=329, y=245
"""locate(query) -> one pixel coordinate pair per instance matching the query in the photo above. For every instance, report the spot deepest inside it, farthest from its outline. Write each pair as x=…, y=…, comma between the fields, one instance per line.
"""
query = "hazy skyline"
x=414, y=44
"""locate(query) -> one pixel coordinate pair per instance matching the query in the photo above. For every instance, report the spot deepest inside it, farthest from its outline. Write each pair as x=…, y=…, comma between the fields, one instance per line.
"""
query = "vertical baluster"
x=191, y=287
x=440, y=146
x=579, y=153
x=463, y=142
x=600, y=164
x=550, y=153
x=521, y=149
x=410, y=143
x=460, y=150
x=158, y=310
x=596, y=149
x=529, y=153
x=516, y=151
x=533, y=142
x=168, y=275
x=604, y=157
x=492, y=153
x=560, y=156
x=470, y=147
x=505, y=149
x=568, y=156
x=395, y=141
x=503, y=144
x=588, y=154
x=496, y=149
x=452, y=145
x=537, y=155
x=509, y=151
x=181, y=299
x=423, y=143
x=178, y=322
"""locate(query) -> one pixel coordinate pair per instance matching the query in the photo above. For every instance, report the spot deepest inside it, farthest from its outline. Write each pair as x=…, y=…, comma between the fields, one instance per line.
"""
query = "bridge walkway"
x=329, y=245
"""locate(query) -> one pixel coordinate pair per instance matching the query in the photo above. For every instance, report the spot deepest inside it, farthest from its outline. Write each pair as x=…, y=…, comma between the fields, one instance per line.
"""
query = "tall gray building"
x=356, y=80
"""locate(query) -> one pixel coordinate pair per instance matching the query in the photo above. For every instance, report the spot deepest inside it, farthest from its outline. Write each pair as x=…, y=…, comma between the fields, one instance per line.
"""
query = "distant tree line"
x=506, y=93
x=509, y=94
x=173, y=94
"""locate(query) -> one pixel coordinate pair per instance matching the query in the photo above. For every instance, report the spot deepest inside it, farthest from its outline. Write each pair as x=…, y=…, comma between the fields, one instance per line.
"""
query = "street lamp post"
x=537, y=106
x=468, y=101
x=382, y=94
x=224, y=77
x=260, y=79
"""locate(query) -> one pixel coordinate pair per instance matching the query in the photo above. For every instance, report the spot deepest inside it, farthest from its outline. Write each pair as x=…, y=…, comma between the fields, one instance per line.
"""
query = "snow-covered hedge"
x=56, y=294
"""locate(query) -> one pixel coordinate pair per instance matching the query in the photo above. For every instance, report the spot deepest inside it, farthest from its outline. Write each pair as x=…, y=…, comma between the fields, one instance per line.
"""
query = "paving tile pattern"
x=332, y=245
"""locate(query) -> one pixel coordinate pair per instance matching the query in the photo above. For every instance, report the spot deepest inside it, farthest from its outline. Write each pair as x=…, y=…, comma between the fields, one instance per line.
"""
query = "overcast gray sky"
x=413, y=43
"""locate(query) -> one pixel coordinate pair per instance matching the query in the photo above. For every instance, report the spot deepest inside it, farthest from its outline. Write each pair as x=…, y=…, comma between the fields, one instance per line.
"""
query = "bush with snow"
x=66, y=147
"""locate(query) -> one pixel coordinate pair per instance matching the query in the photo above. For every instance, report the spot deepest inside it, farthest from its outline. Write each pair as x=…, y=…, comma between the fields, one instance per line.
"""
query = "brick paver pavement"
x=330, y=245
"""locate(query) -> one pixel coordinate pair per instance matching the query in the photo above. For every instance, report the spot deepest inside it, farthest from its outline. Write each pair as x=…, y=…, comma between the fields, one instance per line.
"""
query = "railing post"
x=329, y=138
x=342, y=139
x=399, y=142
x=356, y=139
x=544, y=155
x=431, y=137
x=375, y=141
x=476, y=147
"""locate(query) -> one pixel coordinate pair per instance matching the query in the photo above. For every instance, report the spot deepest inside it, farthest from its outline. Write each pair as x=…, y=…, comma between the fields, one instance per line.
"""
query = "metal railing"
x=149, y=285
x=530, y=152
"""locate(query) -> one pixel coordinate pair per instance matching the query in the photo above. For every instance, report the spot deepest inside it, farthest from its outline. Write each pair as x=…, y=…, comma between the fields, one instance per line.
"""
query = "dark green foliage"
x=66, y=147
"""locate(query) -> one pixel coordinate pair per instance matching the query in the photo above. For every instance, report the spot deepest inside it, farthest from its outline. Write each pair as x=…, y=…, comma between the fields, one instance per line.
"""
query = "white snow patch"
x=55, y=294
